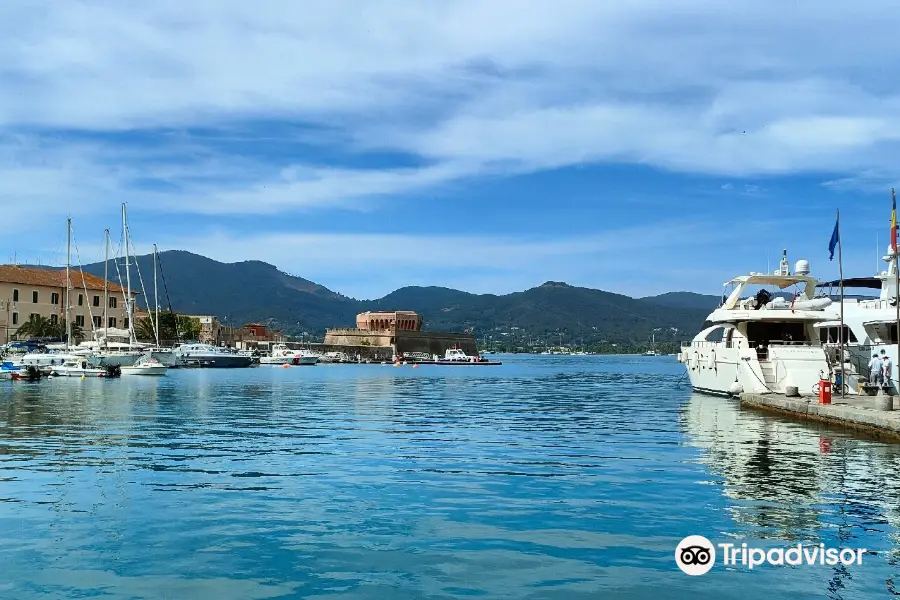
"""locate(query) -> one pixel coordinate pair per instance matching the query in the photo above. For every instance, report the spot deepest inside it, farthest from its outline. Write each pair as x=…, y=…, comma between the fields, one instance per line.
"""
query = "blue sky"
x=635, y=147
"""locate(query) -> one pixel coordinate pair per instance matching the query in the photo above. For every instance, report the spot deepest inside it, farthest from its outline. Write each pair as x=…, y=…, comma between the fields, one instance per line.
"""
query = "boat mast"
x=106, y=291
x=155, y=298
x=128, y=314
x=68, y=278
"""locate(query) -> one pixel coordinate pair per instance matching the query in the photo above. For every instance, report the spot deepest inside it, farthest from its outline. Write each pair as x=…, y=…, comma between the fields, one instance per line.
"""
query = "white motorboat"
x=77, y=366
x=282, y=355
x=458, y=355
x=5, y=374
x=754, y=344
x=145, y=365
x=209, y=356
x=335, y=357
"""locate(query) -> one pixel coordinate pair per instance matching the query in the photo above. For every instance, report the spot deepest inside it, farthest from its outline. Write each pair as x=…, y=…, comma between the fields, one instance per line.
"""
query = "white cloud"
x=476, y=87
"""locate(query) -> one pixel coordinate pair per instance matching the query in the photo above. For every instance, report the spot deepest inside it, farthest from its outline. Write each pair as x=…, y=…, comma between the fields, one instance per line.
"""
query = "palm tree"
x=143, y=329
x=36, y=327
x=59, y=330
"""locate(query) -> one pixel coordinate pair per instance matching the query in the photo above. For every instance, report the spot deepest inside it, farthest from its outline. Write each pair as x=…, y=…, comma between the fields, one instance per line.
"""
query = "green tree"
x=172, y=327
x=188, y=327
x=35, y=327
x=58, y=329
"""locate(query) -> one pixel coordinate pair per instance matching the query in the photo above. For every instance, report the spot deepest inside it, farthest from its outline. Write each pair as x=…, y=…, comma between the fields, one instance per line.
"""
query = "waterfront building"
x=400, y=331
x=26, y=291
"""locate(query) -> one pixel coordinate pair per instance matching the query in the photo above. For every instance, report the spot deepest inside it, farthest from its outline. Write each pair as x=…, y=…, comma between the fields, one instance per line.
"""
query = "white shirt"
x=875, y=364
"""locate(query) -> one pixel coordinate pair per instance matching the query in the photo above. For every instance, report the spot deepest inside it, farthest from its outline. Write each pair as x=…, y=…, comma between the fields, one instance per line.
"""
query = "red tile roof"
x=53, y=278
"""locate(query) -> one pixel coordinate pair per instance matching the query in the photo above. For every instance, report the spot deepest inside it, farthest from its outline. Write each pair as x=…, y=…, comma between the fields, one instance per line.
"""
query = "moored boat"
x=759, y=343
x=145, y=365
x=282, y=355
x=210, y=357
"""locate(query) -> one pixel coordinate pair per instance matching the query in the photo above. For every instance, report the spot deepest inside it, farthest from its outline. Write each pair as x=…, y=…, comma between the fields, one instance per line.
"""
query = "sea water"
x=546, y=477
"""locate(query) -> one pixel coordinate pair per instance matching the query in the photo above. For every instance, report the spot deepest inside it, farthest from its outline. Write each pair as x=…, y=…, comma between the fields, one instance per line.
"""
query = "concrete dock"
x=861, y=412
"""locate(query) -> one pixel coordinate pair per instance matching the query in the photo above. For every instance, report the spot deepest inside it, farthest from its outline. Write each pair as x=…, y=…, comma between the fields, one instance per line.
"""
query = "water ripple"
x=549, y=477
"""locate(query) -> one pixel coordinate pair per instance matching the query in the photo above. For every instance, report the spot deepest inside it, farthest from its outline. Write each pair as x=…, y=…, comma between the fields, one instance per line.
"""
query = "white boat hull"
x=288, y=360
x=156, y=370
x=729, y=371
x=77, y=372
x=166, y=357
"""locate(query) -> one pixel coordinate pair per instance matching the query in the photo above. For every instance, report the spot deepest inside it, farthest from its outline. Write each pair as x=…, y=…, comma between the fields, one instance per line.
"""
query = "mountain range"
x=254, y=291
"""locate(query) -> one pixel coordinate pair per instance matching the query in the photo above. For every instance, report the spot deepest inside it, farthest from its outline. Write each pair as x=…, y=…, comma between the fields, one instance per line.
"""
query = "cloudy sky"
x=638, y=147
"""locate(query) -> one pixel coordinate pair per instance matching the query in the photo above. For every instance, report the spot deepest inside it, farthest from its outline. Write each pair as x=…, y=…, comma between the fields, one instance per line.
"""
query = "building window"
x=112, y=301
x=16, y=317
x=34, y=297
x=15, y=295
x=33, y=316
x=54, y=319
x=112, y=322
x=80, y=299
x=96, y=300
x=97, y=322
x=54, y=298
x=79, y=320
x=125, y=323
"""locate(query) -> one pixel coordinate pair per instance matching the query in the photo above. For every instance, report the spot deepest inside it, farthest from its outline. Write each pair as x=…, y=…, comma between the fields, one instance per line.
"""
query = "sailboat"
x=116, y=354
x=652, y=351
x=72, y=365
x=164, y=356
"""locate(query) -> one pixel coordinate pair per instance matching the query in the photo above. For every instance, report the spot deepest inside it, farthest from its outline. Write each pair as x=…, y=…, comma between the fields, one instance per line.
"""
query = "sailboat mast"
x=128, y=298
x=106, y=291
x=155, y=298
x=68, y=278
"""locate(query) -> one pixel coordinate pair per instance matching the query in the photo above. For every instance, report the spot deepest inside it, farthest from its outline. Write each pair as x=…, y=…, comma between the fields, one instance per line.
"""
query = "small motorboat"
x=282, y=355
x=145, y=366
x=76, y=366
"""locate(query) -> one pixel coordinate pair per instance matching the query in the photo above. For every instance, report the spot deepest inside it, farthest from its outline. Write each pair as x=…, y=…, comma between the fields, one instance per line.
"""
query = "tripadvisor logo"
x=696, y=555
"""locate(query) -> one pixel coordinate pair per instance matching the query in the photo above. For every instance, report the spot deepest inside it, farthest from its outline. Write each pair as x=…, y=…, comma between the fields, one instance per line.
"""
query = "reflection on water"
x=551, y=477
x=799, y=482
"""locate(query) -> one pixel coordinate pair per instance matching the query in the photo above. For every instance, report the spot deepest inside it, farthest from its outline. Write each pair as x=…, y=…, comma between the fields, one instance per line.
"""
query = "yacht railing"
x=744, y=344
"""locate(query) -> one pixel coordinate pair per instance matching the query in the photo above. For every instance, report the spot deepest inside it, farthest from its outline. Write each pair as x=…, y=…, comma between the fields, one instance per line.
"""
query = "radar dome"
x=802, y=267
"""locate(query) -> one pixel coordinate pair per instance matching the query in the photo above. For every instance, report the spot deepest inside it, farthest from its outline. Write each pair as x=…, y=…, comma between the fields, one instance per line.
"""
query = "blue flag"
x=835, y=237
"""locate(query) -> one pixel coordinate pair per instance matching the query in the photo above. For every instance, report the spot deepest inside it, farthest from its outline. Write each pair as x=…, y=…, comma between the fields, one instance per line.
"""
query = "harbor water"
x=558, y=477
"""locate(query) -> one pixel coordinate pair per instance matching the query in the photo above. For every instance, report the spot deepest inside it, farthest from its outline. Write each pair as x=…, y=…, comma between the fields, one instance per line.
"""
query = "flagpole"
x=896, y=269
x=841, y=330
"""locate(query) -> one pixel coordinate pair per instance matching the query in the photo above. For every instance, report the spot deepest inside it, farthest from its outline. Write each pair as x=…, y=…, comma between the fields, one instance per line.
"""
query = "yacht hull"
x=723, y=370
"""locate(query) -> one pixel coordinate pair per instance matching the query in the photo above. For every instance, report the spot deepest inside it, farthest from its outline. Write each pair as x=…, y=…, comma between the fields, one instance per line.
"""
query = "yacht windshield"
x=761, y=333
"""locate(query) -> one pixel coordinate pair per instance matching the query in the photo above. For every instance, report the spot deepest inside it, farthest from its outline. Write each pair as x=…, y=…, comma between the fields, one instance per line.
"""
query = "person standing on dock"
x=876, y=370
x=887, y=367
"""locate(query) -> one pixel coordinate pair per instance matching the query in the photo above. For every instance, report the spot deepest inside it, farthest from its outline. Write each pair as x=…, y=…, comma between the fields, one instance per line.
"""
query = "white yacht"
x=870, y=324
x=762, y=343
x=282, y=355
x=209, y=356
